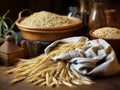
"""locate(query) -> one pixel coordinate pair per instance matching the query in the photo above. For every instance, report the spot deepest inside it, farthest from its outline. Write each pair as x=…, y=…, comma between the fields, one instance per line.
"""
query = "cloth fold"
x=96, y=58
x=66, y=40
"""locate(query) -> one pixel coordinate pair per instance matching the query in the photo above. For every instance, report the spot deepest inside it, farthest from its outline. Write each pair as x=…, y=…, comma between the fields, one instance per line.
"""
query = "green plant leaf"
x=4, y=16
x=5, y=28
x=0, y=29
x=12, y=26
x=1, y=18
x=5, y=25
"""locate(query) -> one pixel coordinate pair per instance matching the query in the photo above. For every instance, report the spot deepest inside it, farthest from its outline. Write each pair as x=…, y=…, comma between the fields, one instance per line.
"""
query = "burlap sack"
x=97, y=58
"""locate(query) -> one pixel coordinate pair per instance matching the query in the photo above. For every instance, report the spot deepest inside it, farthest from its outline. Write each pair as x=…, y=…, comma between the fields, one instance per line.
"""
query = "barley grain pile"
x=45, y=19
x=108, y=32
x=43, y=71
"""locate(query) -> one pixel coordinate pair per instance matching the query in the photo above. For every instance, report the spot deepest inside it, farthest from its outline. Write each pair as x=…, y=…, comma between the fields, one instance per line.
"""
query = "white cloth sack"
x=97, y=58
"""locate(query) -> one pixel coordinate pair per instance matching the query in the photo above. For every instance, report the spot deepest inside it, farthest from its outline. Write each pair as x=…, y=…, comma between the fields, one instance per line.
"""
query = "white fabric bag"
x=97, y=58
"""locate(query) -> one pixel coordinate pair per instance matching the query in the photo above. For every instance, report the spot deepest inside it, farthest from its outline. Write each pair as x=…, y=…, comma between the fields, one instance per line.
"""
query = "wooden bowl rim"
x=77, y=22
x=49, y=31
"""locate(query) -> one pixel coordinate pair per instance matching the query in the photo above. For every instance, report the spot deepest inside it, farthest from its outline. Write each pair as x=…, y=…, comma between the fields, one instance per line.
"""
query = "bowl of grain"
x=110, y=34
x=47, y=26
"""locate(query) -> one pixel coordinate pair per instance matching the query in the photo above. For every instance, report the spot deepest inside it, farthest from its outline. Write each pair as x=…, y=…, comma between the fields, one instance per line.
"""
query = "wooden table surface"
x=102, y=83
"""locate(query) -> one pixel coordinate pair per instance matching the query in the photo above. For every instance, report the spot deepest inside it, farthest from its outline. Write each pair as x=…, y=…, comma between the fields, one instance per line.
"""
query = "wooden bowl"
x=49, y=35
x=115, y=43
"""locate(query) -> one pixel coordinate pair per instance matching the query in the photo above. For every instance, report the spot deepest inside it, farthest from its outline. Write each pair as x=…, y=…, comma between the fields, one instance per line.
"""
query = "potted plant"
x=7, y=28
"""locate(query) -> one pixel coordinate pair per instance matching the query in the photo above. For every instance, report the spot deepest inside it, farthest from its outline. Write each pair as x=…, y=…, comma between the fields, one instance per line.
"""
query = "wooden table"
x=101, y=83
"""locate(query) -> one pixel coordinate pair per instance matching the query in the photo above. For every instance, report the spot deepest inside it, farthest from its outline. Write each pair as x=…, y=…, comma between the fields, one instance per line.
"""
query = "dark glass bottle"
x=97, y=17
x=84, y=11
